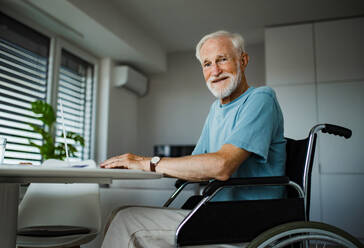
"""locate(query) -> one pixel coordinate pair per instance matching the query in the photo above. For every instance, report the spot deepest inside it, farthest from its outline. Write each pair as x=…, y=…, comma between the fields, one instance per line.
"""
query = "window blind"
x=23, y=79
x=75, y=89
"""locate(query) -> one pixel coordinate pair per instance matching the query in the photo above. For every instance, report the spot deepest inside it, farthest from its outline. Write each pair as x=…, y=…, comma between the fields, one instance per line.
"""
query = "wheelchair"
x=269, y=222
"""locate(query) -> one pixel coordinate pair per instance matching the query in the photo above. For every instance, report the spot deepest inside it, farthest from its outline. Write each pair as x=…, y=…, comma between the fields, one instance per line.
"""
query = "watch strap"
x=153, y=165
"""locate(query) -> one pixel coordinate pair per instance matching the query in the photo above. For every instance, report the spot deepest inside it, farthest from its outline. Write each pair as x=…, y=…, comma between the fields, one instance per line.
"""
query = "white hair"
x=236, y=39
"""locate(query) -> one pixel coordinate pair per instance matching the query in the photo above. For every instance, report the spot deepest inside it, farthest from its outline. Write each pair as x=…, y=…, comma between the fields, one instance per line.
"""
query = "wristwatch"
x=154, y=162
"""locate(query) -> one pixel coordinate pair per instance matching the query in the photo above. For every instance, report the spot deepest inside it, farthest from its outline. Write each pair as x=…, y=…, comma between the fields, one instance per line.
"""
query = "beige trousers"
x=146, y=227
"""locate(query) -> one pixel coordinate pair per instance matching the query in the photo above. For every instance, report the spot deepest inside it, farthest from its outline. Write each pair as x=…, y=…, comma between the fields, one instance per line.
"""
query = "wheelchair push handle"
x=337, y=130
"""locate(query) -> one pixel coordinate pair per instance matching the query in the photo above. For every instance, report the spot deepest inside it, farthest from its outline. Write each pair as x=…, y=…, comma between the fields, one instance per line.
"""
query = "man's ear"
x=244, y=59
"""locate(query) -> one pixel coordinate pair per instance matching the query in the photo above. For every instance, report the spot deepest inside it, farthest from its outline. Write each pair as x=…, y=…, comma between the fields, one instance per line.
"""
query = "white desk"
x=11, y=176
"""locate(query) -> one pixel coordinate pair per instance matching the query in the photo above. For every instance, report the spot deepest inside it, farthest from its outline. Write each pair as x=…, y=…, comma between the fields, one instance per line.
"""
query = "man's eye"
x=207, y=65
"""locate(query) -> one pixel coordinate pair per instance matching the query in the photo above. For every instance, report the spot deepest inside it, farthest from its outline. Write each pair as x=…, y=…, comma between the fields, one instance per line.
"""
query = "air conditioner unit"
x=125, y=76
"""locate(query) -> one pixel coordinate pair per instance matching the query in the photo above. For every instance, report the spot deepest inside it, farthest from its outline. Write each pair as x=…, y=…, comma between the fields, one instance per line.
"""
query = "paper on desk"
x=63, y=164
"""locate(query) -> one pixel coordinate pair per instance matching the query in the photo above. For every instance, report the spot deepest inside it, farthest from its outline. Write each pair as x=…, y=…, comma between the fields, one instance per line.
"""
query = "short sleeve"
x=255, y=124
x=202, y=143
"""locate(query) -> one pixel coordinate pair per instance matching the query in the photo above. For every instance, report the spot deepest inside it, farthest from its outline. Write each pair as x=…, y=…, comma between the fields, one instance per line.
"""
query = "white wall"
x=116, y=117
x=123, y=116
x=255, y=72
x=175, y=108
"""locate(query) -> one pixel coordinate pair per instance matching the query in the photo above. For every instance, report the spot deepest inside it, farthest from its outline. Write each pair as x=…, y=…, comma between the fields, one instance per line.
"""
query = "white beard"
x=223, y=92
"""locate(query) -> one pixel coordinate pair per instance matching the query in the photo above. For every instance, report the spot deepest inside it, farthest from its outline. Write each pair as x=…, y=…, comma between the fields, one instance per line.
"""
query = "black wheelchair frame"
x=212, y=222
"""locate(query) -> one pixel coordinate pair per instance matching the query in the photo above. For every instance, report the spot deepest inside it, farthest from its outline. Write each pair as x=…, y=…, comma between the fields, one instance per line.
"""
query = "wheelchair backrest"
x=297, y=151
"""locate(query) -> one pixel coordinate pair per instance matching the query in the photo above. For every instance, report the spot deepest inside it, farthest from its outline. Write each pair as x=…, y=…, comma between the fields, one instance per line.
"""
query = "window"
x=23, y=79
x=75, y=89
x=24, y=68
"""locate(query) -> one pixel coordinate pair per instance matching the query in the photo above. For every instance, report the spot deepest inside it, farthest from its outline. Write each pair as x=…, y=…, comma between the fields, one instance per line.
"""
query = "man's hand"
x=127, y=161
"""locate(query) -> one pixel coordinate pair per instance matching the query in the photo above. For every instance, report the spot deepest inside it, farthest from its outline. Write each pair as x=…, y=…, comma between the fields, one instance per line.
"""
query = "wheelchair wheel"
x=305, y=234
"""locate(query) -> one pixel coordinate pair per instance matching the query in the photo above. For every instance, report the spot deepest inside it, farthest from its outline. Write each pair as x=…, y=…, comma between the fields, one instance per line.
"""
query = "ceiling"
x=179, y=24
x=140, y=33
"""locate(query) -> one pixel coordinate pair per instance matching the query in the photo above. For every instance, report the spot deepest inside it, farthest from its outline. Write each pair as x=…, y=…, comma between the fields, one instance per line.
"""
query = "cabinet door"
x=298, y=104
x=343, y=202
x=289, y=55
x=342, y=104
x=340, y=50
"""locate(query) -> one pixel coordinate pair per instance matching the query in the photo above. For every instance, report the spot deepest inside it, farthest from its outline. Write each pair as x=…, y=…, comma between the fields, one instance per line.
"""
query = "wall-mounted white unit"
x=125, y=76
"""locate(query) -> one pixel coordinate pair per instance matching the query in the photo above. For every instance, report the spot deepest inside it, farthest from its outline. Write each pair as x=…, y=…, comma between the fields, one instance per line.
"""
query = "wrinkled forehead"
x=217, y=47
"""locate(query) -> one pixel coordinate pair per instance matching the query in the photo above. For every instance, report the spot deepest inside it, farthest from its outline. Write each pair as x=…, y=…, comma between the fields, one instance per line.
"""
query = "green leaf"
x=45, y=111
x=76, y=137
x=31, y=143
x=72, y=150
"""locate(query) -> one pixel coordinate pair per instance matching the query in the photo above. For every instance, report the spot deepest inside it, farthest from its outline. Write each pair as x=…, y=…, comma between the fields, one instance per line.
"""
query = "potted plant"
x=49, y=149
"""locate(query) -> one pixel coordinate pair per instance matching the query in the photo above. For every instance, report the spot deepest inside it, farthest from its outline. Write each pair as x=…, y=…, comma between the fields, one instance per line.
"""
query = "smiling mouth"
x=219, y=79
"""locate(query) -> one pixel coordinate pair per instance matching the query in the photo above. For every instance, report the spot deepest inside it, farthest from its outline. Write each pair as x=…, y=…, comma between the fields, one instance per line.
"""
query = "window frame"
x=57, y=43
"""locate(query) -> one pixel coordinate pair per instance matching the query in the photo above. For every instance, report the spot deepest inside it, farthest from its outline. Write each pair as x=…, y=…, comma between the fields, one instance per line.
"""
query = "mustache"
x=220, y=77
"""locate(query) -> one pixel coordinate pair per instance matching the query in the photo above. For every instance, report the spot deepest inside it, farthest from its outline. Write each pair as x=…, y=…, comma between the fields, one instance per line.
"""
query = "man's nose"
x=216, y=70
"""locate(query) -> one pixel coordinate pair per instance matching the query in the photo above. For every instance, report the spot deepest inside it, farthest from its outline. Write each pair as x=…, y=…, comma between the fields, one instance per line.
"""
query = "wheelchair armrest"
x=180, y=185
x=271, y=181
x=180, y=182
x=215, y=185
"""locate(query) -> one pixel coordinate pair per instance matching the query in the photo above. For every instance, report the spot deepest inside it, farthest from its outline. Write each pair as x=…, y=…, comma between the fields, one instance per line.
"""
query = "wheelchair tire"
x=294, y=233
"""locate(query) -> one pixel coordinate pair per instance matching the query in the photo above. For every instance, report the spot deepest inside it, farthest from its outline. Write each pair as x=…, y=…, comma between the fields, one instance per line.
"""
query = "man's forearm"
x=219, y=165
x=192, y=168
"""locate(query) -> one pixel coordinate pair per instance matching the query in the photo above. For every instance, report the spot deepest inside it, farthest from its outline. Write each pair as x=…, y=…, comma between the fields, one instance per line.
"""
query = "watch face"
x=155, y=160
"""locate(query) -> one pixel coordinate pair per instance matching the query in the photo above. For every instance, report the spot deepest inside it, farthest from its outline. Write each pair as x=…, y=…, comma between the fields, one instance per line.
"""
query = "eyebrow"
x=217, y=57
x=205, y=61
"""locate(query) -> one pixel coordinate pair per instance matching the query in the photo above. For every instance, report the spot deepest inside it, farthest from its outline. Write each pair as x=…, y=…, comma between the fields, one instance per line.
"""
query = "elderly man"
x=242, y=137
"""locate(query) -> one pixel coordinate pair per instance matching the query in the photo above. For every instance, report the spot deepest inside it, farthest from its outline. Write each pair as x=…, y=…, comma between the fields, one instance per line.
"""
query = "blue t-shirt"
x=253, y=122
